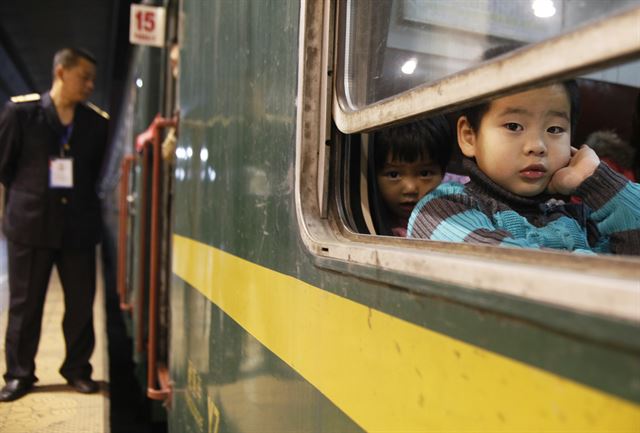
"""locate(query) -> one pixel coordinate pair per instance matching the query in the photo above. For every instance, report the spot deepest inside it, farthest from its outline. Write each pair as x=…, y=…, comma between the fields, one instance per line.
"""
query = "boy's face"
x=522, y=140
x=403, y=184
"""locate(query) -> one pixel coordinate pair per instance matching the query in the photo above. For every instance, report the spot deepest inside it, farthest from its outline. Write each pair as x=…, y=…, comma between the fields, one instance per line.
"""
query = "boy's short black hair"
x=422, y=139
x=69, y=57
x=475, y=113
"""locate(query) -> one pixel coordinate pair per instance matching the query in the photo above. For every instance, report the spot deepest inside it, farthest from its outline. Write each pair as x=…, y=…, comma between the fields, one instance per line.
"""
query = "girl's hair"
x=426, y=138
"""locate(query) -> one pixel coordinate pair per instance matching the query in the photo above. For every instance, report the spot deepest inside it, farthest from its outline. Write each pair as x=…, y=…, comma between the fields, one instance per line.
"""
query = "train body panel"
x=269, y=333
x=354, y=354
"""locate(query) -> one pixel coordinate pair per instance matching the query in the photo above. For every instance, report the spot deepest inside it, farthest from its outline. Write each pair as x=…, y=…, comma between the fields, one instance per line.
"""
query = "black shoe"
x=15, y=388
x=85, y=386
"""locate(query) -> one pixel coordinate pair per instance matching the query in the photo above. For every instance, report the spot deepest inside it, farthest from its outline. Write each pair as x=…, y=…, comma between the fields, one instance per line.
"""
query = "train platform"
x=53, y=406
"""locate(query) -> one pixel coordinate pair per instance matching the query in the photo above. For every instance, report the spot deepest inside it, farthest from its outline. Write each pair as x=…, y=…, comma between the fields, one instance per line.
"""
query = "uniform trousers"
x=29, y=273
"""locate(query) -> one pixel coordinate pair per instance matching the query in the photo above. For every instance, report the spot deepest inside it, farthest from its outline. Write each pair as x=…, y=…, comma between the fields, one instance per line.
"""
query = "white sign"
x=147, y=25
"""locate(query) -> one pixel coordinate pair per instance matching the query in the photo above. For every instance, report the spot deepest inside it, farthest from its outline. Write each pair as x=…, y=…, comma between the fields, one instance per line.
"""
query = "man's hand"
x=583, y=163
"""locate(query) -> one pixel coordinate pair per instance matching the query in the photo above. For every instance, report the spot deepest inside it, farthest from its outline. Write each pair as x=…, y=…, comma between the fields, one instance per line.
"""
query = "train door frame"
x=158, y=380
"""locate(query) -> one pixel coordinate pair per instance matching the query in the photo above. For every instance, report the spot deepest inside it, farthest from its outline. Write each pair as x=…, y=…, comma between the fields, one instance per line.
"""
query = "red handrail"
x=122, y=233
x=139, y=339
x=155, y=372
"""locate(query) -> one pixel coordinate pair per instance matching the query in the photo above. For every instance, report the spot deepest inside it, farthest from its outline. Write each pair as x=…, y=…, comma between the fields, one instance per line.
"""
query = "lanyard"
x=64, y=139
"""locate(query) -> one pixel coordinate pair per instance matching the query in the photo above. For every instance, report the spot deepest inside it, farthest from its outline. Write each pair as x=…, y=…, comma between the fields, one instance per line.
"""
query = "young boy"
x=410, y=161
x=520, y=159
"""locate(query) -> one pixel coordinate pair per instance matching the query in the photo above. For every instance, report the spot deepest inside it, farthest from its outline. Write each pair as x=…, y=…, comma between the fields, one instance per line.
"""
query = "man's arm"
x=9, y=139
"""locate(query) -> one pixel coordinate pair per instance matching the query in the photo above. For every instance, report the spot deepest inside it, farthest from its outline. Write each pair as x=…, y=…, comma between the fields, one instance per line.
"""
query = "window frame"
x=608, y=285
x=578, y=51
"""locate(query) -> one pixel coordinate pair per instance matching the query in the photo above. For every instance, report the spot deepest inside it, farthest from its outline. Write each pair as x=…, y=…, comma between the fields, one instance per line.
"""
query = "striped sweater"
x=482, y=212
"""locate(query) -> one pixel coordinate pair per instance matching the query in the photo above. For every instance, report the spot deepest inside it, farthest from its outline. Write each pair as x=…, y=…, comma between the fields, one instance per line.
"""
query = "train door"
x=145, y=208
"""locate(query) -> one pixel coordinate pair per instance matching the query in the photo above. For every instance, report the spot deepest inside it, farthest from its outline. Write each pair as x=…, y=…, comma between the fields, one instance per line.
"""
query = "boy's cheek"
x=565, y=158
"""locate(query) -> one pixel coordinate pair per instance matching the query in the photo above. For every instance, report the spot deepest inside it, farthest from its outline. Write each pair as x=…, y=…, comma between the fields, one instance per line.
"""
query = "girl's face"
x=402, y=184
x=522, y=140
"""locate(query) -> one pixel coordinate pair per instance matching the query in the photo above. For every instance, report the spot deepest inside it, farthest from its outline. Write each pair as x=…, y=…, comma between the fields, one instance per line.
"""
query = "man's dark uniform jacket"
x=35, y=214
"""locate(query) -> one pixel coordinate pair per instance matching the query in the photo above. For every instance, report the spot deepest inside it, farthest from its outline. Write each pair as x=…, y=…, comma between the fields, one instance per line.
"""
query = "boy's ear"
x=466, y=137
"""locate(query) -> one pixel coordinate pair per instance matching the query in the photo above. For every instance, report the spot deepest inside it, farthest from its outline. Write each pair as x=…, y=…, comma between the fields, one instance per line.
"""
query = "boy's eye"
x=512, y=126
x=555, y=130
x=392, y=174
x=427, y=173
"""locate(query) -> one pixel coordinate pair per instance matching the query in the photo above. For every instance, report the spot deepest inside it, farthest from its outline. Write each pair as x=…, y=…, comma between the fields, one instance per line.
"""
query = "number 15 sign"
x=147, y=25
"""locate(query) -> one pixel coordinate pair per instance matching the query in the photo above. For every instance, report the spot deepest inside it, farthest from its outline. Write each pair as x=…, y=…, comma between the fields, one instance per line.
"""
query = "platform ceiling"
x=31, y=31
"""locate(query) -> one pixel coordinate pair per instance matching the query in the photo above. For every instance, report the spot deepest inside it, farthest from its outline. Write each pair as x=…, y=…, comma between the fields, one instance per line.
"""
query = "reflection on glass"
x=204, y=154
x=212, y=174
x=543, y=8
x=393, y=45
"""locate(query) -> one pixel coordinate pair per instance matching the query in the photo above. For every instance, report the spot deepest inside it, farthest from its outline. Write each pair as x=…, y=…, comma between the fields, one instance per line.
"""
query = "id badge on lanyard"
x=61, y=168
x=61, y=173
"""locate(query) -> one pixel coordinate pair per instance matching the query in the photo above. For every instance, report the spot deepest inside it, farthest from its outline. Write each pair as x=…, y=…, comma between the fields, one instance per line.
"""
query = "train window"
x=367, y=97
x=600, y=49
x=608, y=121
x=391, y=46
x=371, y=80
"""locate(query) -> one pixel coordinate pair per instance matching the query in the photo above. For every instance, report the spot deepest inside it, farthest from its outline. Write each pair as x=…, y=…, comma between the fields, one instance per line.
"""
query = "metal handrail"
x=139, y=332
x=156, y=372
x=127, y=161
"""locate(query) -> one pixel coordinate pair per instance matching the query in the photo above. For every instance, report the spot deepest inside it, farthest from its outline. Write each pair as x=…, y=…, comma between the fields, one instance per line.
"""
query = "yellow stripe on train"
x=389, y=375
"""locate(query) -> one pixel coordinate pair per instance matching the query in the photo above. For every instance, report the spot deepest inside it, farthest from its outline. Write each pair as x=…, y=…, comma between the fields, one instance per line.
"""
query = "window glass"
x=605, y=114
x=389, y=46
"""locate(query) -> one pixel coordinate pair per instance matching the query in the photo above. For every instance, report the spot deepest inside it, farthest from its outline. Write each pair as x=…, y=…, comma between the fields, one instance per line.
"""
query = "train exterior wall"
x=264, y=339
x=235, y=192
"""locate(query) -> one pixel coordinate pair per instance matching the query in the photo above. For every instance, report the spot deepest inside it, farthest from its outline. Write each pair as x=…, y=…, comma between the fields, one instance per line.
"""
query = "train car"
x=255, y=249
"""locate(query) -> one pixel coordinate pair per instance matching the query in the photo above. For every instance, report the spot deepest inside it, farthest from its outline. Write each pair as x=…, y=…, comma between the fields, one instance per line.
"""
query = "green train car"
x=267, y=302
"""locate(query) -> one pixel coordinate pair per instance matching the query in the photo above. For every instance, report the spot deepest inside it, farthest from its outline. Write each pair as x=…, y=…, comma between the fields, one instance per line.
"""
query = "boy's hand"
x=583, y=163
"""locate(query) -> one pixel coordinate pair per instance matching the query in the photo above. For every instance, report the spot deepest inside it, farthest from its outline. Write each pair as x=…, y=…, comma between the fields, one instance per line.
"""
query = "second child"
x=410, y=160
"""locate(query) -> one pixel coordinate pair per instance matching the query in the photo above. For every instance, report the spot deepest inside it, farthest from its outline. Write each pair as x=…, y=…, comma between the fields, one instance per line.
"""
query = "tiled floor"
x=53, y=406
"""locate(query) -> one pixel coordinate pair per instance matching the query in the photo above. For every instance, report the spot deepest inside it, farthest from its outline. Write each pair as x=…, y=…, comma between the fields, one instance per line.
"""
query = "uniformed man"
x=51, y=151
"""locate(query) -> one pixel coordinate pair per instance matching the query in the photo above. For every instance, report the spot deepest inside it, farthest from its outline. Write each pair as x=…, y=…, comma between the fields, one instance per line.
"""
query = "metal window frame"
x=579, y=51
x=608, y=286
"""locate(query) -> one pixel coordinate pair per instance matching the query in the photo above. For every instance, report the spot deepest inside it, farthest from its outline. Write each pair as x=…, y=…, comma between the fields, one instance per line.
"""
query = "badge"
x=61, y=173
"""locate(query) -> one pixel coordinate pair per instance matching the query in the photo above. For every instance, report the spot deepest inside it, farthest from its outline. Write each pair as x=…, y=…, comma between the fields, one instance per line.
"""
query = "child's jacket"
x=608, y=220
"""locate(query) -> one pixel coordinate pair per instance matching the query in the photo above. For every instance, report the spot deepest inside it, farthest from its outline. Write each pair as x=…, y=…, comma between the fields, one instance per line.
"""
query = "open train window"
x=607, y=122
x=387, y=50
x=396, y=62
